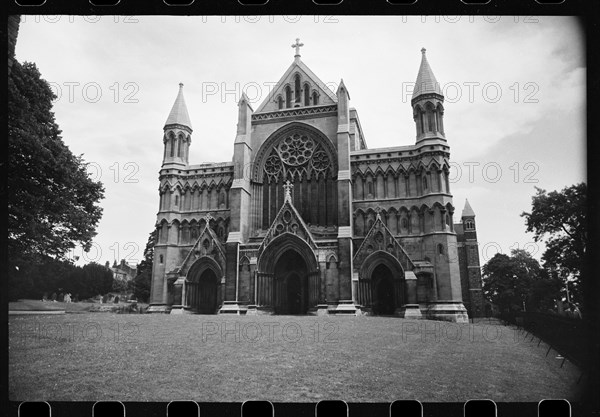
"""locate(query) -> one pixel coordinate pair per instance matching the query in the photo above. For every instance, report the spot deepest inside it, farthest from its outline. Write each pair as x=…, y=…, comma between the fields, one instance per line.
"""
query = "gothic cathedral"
x=307, y=220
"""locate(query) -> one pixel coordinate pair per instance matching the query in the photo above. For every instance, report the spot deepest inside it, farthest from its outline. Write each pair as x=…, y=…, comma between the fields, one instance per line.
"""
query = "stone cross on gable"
x=297, y=45
x=208, y=218
x=287, y=187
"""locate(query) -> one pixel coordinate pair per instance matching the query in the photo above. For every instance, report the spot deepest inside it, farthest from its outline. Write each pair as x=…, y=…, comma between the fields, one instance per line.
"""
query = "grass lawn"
x=38, y=305
x=104, y=356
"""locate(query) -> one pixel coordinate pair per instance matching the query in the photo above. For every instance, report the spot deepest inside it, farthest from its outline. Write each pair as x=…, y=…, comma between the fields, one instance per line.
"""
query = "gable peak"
x=288, y=94
x=288, y=220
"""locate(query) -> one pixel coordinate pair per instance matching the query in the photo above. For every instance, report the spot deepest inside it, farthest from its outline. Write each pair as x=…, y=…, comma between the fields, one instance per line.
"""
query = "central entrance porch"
x=288, y=277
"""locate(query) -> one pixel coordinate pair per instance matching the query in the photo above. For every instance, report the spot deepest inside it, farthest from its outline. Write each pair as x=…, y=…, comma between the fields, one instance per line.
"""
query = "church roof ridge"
x=179, y=113
x=191, y=167
x=382, y=150
x=426, y=81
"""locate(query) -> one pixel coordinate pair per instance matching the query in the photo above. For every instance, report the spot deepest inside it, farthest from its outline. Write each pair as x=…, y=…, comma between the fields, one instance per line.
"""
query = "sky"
x=514, y=91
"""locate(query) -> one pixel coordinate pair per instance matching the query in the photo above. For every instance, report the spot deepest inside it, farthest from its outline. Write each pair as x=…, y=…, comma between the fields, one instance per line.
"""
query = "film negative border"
x=307, y=7
x=351, y=7
x=327, y=408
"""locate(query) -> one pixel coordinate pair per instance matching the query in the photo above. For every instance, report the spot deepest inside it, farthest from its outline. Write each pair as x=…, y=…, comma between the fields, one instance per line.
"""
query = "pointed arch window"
x=179, y=145
x=421, y=121
x=164, y=232
x=425, y=183
x=222, y=199
x=315, y=98
x=176, y=200
x=306, y=94
x=440, y=249
x=288, y=97
x=297, y=94
x=430, y=118
x=280, y=102
x=172, y=144
x=469, y=225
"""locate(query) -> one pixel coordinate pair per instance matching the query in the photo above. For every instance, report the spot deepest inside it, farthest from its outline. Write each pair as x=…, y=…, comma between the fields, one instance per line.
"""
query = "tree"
x=120, y=285
x=559, y=219
x=544, y=291
x=52, y=200
x=508, y=280
x=97, y=280
x=143, y=279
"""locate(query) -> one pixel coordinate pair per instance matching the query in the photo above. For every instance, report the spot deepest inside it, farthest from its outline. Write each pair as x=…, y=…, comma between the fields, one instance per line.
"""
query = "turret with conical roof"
x=426, y=82
x=427, y=102
x=177, y=133
x=468, y=219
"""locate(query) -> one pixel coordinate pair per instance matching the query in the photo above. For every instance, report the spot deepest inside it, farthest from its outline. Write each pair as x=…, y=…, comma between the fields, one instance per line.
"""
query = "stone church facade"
x=306, y=219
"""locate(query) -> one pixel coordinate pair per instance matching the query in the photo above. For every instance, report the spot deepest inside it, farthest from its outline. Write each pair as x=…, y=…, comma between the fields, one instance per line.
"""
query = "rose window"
x=320, y=161
x=295, y=157
x=273, y=165
x=296, y=150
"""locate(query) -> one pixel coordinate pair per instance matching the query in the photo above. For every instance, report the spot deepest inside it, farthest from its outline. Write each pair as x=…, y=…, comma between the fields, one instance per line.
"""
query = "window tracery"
x=297, y=156
x=304, y=158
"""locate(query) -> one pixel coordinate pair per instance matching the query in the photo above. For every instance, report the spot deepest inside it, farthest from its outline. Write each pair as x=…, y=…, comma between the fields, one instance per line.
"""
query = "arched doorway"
x=384, y=302
x=287, y=263
x=291, y=284
x=381, y=284
x=202, y=286
x=207, y=293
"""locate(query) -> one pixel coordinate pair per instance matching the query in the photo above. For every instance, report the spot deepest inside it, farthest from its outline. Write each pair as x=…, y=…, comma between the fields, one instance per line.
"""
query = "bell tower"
x=176, y=139
x=474, y=298
x=177, y=134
